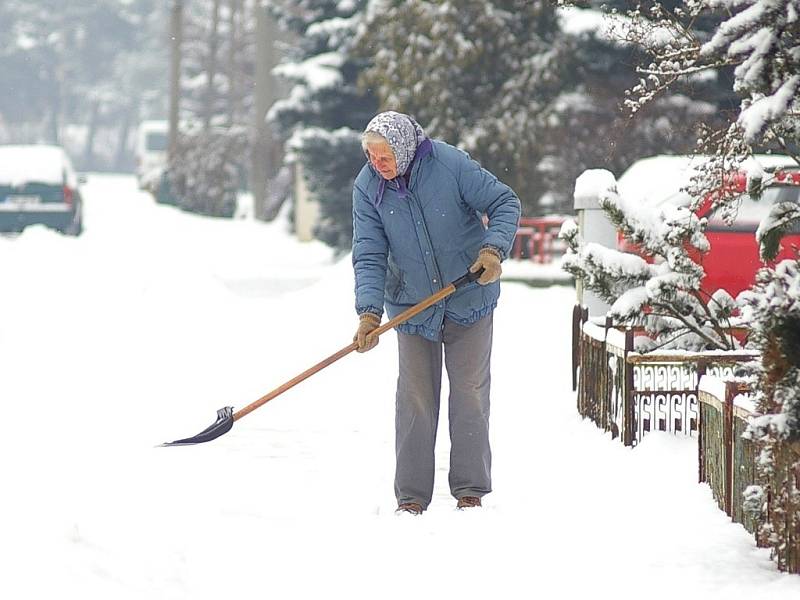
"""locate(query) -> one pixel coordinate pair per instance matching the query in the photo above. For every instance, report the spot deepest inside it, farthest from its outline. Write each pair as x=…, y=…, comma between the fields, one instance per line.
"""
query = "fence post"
x=701, y=455
x=577, y=322
x=701, y=472
x=594, y=225
x=629, y=418
x=727, y=440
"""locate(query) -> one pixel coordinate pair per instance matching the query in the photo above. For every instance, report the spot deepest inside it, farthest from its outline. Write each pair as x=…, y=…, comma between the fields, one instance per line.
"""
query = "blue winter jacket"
x=407, y=247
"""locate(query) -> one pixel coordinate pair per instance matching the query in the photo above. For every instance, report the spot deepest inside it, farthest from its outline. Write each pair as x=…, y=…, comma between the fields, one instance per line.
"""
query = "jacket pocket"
x=395, y=283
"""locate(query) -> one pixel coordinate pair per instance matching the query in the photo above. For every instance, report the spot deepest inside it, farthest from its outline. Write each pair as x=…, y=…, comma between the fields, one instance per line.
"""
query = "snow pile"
x=139, y=330
x=591, y=185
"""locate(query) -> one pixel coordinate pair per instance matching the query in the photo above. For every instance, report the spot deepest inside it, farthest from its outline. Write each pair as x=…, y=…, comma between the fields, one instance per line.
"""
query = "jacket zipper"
x=437, y=273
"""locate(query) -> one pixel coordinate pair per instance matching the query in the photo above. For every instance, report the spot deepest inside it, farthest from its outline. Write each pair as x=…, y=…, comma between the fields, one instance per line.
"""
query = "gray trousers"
x=467, y=354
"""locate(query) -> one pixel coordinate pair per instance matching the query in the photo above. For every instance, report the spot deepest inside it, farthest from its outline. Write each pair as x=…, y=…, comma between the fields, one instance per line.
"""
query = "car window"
x=156, y=141
x=750, y=212
x=680, y=198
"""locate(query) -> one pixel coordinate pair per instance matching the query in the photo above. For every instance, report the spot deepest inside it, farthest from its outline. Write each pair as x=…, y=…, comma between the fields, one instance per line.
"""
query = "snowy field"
x=139, y=330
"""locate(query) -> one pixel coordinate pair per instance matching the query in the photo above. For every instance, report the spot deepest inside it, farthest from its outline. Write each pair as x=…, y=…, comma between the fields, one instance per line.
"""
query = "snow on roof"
x=36, y=163
x=590, y=185
x=660, y=179
x=657, y=179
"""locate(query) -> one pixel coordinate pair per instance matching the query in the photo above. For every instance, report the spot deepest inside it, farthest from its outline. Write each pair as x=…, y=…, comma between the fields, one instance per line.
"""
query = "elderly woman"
x=418, y=207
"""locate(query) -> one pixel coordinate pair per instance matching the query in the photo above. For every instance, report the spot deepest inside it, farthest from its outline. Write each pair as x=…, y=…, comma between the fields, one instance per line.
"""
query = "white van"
x=151, y=152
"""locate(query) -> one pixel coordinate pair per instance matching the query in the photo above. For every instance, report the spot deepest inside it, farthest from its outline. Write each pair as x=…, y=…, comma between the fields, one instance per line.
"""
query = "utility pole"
x=234, y=42
x=210, y=99
x=258, y=172
x=265, y=158
x=176, y=37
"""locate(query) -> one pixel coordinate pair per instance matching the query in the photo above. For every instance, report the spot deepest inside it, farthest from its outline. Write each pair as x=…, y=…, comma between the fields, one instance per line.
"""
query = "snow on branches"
x=325, y=111
x=757, y=43
x=774, y=304
x=661, y=293
x=496, y=78
x=759, y=38
x=775, y=307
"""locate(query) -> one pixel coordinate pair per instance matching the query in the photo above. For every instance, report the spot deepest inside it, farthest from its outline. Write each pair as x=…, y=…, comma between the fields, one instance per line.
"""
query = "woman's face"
x=382, y=158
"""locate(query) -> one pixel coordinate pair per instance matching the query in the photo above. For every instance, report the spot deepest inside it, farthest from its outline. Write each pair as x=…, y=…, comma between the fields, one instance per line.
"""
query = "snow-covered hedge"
x=207, y=169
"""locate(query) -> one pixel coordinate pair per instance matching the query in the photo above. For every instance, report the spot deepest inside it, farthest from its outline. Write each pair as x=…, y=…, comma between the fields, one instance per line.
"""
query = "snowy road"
x=139, y=330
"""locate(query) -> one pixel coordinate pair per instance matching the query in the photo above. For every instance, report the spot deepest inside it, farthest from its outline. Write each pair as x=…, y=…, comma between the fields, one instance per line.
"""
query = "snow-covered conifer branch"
x=782, y=217
x=663, y=296
x=760, y=41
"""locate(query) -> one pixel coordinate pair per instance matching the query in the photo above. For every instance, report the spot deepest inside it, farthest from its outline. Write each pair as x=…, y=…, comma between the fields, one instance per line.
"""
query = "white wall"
x=306, y=210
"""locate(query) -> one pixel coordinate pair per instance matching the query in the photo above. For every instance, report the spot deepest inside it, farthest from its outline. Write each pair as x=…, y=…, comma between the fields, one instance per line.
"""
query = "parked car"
x=733, y=260
x=151, y=153
x=38, y=185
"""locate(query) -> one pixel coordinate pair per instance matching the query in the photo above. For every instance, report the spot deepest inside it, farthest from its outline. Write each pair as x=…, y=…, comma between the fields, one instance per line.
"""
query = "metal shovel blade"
x=220, y=427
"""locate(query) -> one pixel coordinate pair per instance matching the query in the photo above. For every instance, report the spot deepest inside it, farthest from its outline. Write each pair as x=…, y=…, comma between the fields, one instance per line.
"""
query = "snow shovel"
x=226, y=417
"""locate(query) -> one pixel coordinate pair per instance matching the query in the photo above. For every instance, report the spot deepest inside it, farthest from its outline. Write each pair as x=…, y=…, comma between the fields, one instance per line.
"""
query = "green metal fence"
x=783, y=508
x=728, y=464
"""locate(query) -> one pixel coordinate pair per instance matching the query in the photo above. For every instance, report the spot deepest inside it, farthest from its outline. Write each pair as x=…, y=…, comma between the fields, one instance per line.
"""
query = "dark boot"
x=409, y=507
x=468, y=502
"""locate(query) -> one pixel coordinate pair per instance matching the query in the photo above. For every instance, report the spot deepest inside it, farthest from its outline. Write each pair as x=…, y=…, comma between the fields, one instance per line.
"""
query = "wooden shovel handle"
x=401, y=318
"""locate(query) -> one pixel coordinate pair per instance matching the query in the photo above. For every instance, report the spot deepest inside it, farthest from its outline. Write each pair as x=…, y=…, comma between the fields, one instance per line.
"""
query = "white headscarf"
x=402, y=133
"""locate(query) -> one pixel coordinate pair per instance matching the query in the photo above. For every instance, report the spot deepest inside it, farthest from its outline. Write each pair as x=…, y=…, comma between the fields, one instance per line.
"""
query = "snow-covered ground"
x=138, y=331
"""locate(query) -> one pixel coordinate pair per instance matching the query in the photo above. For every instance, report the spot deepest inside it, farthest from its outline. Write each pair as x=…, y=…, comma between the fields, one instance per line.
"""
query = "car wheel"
x=76, y=227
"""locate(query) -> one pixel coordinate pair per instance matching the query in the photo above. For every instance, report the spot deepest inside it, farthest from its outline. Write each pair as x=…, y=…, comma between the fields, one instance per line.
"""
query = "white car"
x=38, y=185
x=151, y=153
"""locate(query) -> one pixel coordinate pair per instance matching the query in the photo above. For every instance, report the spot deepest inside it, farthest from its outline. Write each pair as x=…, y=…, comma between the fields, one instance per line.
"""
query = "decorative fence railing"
x=727, y=463
x=537, y=239
x=628, y=393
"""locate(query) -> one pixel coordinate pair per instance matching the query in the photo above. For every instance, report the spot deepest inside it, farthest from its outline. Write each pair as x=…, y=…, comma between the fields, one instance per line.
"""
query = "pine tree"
x=482, y=75
x=760, y=41
x=592, y=130
x=530, y=90
x=325, y=111
x=775, y=316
